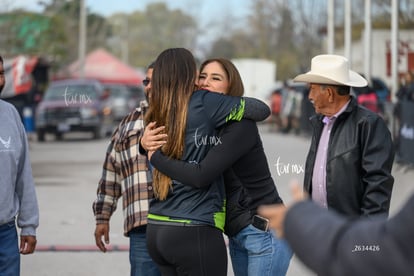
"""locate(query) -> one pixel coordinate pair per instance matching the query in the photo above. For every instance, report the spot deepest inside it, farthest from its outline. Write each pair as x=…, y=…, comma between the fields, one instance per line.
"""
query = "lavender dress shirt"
x=319, y=169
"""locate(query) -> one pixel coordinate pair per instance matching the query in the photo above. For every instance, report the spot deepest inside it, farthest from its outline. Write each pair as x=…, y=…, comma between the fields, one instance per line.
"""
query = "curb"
x=80, y=248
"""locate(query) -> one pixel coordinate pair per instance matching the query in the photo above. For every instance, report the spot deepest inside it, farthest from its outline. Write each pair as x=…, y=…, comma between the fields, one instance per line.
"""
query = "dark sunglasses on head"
x=146, y=81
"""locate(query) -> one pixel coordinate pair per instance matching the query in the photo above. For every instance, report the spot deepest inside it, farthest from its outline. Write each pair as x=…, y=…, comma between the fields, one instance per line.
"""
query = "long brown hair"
x=173, y=83
x=236, y=87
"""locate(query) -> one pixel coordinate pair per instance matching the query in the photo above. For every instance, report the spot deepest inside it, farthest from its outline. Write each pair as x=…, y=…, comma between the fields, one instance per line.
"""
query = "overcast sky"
x=200, y=8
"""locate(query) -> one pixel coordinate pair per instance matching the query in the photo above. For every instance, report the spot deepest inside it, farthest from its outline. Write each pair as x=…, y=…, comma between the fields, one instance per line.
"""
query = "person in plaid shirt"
x=127, y=173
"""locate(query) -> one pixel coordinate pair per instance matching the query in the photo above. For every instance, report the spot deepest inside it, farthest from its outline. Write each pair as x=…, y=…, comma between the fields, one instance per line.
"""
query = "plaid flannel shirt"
x=125, y=173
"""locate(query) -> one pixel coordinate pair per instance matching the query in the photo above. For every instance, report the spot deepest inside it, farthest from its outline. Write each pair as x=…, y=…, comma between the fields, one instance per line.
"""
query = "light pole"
x=331, y=27
x=367, y=42
x=348, y=32
x=394, y=49
x=82, y=38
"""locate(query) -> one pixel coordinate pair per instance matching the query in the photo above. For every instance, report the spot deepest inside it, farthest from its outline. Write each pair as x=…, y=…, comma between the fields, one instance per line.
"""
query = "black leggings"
x=187, y=250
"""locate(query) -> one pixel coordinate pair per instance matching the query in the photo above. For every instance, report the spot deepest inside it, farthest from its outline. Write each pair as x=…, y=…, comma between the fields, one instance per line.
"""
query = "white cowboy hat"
x=331, y=69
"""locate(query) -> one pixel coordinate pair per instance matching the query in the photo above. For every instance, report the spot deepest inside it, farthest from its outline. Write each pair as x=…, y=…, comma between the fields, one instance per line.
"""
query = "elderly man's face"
x=319, y=97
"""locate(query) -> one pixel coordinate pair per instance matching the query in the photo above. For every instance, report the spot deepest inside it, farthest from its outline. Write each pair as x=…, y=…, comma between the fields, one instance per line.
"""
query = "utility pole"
x=394, y=49
x=348, y=32
x=367, y=42
x=82, y=38
x=331, y=27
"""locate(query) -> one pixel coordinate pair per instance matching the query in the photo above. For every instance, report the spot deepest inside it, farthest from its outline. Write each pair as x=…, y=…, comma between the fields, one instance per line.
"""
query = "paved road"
x=66, y=175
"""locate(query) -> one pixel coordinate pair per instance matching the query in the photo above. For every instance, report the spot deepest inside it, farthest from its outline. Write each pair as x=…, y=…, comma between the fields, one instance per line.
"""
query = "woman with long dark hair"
x=185, y=224
x=254, y=248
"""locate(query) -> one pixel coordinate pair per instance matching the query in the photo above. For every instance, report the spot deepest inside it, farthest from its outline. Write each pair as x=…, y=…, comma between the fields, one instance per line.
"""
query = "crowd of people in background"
x=290, y=109
x=404, y=95
x=406, y=91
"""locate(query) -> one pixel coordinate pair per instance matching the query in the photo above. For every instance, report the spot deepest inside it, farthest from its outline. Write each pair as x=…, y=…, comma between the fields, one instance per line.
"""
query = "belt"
x=139, y=229
x=13, y=221
x=173, y=223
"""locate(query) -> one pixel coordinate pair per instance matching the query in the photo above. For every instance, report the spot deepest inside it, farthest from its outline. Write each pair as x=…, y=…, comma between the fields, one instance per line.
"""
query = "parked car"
x=122, y=100
x=374, y=96
x=73, y=105
x=137, y=92
x=378, y=86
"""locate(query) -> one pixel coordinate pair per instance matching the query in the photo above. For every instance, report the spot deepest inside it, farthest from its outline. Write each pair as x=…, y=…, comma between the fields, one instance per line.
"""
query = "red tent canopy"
x=24, y=75
x=104, y=67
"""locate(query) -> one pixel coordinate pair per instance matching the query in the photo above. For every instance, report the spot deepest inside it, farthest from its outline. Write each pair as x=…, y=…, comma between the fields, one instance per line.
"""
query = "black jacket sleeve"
x=255, y=109
x=218, y=159
x=376, y=164
x=333, y=245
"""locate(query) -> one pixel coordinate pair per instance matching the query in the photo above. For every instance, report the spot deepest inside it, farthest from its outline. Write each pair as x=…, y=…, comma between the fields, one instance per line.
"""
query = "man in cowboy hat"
x=348, y=167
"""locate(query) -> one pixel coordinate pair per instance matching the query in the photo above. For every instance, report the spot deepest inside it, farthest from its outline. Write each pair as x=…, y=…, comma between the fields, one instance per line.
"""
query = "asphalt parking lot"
x=66, y=175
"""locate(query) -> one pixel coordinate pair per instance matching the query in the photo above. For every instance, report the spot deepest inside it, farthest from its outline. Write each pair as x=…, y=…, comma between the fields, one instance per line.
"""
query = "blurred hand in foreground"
x=276, y=212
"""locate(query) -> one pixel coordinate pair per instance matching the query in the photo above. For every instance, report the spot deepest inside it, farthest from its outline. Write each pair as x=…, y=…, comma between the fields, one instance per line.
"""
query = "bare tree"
x=151, y=31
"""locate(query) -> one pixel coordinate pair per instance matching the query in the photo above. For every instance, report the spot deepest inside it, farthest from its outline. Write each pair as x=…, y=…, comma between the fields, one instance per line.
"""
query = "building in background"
x=381, y=54
x=258, y=75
